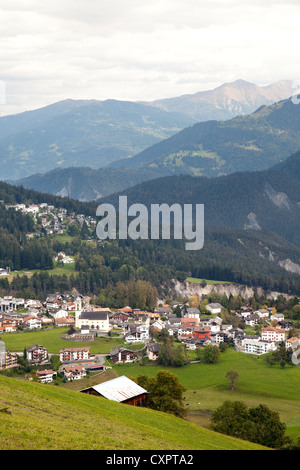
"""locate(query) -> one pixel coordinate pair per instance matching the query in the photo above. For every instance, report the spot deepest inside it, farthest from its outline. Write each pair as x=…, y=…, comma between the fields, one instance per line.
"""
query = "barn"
x=121, y=389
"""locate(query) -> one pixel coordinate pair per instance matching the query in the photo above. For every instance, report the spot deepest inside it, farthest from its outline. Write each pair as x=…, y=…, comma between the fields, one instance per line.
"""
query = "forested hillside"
x=245, y=143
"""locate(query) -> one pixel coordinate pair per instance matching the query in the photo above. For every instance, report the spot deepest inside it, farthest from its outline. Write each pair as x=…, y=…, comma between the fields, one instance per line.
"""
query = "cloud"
x=141, y=50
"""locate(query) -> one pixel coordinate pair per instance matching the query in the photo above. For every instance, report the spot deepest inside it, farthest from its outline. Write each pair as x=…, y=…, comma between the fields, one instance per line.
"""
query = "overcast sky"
x=141, y=50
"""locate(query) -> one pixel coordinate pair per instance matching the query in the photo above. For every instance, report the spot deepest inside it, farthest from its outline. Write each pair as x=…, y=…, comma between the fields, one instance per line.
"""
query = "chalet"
x=136, y=312
x=152, y=351
x=120, y=355
x=137, y=333
x=157, y=325
x=36, y=354
x=74, y=372
x=46, y=376
x=126, y=309
x=122, y=390
x=252, y=320
x=31, y=322
x=120, y=316
x=219, y=337
x=285, y=325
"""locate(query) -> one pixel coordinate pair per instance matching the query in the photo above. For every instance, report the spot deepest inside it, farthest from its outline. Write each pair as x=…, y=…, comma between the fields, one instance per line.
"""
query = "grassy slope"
x=49, y=418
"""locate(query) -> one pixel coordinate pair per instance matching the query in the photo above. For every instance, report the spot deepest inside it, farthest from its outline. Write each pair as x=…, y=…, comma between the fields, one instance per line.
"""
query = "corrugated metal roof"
x=119, y=389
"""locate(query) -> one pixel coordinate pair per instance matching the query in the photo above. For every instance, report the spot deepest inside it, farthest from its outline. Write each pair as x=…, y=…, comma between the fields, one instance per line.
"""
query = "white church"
x=95, y=320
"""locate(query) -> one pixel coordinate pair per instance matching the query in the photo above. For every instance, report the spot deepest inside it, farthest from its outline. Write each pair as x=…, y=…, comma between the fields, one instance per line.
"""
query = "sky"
x=141, y=50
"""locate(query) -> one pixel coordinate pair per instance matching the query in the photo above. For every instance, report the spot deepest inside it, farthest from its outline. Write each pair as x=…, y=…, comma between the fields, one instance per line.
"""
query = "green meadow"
x=209, y=281
x=53, y=341
x=207, y=386
x=45, y=417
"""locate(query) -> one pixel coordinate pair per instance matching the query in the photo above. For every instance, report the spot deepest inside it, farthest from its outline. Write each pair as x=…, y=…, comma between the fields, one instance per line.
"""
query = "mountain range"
x=212, y=148
x=91, y=133
x=73, y=132
x=228, y=100
x=246, y=143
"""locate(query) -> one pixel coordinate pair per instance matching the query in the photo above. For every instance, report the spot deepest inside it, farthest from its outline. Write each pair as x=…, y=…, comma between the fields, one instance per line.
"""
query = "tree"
x=211, y=354
x=233, y=377
x=258, y=424
x=165, y=392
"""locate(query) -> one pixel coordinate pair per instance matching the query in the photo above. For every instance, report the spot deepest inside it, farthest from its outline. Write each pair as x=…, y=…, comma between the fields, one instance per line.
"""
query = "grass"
x=53, y=341
x=45, y=417
x=207, y=386
x=68, y=269
x=198, y=281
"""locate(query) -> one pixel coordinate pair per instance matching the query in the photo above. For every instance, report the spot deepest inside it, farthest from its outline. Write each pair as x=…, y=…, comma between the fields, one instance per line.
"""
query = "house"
x=218, y=337
x=31, y=322
x=74, y=372
x=120, y=316
x=191, y=313
x=60, y=313
x=188, y=322
x=121, y=389
x=46, y=376
x=290, y=342
x=263, y=313
x=252, y=320
x=158, y=325
x=74, y=354
x=7, y=327
x=36, y=354
x=285, y=325
x=271, y=333
x=66, y=321
x=120, y=355
x=277, y=317
x=137, y=333
x=152, y=351
x=201, y=332
x=214, y=308
x=256, y=345
x=163, y=310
